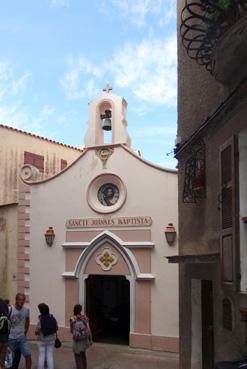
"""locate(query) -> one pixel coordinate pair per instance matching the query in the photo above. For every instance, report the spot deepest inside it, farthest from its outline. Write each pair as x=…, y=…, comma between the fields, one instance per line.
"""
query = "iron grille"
x=203, y=22
x=195, y=174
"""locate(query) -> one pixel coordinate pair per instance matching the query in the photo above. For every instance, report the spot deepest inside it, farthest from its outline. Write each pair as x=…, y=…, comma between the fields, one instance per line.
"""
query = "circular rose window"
x=106, y=193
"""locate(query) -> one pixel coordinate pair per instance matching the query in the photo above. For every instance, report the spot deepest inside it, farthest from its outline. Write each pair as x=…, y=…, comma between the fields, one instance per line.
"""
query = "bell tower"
x=107, y=120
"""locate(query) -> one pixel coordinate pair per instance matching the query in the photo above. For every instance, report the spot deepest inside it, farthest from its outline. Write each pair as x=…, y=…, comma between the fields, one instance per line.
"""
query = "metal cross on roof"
x=107, y=88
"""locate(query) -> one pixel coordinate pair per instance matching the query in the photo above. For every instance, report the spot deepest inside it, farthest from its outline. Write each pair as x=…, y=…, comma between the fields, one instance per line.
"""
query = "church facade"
x=106, y=214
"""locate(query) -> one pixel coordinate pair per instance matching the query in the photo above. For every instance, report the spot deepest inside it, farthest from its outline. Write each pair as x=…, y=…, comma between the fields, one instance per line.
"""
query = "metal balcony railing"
x=203, y=22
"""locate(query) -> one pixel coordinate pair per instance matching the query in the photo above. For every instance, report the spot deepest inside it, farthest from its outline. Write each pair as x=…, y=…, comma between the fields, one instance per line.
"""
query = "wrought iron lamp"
x=170, y=233
x=49, y=236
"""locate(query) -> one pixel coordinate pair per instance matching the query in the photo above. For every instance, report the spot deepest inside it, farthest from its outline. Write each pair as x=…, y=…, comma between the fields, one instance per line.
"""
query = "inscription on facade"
x=109, y=222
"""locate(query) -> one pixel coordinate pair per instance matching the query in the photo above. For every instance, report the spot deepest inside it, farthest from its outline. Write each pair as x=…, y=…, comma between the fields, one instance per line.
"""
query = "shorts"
x=21, y=344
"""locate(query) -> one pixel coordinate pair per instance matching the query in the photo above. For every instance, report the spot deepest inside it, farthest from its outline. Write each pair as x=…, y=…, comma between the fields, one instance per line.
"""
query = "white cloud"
x=156, y=131
x=15, y=108
x=39, y=124
x=156, y=135
x=137, y=11
x=169, y=13
x=148, y=70
x=59, y=3
x=72, y=83
x=12, y=110
x=18, y=115
x=14, y=115
x=10, y=84
x=47, y=110
x=20, y=84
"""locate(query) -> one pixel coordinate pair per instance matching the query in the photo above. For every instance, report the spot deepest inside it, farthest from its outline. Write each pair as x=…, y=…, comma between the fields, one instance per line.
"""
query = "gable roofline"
x=30, y=183
x=130, y=151
x=40, y=137
x=156, y=166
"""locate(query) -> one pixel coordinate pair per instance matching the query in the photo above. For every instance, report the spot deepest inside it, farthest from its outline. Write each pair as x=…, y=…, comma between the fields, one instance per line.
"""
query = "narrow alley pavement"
x=108, y=356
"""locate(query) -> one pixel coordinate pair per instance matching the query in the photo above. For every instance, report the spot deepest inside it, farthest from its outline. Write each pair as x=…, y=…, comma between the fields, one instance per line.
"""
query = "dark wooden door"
x=207, y=324
x=108, y=308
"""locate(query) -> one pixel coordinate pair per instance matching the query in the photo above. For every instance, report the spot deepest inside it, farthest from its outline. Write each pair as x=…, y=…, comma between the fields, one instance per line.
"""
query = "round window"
x=106, y=193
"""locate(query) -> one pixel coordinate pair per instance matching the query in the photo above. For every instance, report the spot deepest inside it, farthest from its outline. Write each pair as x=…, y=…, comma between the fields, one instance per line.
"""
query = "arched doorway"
x=108, y=308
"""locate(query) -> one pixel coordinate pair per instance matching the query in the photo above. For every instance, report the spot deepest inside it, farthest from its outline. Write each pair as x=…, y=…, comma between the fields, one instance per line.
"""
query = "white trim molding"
x=129, y=245
x=145, y=277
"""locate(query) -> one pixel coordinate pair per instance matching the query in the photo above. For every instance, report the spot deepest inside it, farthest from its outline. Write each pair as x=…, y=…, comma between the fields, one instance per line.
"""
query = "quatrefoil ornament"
x=106, y=259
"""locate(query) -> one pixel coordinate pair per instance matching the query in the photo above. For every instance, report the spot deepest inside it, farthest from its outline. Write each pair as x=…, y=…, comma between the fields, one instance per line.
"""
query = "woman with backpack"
x=82, y=336
x=46, y=333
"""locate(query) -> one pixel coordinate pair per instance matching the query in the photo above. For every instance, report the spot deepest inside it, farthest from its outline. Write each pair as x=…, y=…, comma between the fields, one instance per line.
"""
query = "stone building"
x=105, y=218
x=39, y=158
x=212, y=168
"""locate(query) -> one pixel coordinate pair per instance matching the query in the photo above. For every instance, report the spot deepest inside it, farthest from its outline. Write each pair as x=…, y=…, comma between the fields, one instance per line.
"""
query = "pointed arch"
x=116, y=242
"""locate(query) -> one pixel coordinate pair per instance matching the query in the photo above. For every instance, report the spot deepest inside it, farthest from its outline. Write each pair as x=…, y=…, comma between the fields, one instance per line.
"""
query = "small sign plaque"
x=139, y=221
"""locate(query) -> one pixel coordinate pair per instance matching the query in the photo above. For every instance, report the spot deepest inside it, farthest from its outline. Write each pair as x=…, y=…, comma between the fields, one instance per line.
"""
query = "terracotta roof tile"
x=40, y=137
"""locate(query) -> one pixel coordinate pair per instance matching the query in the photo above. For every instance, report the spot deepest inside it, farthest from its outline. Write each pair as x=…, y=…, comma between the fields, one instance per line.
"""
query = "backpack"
x=79, y=330
x=4, y=324
x=48, y=324
x=4, y=318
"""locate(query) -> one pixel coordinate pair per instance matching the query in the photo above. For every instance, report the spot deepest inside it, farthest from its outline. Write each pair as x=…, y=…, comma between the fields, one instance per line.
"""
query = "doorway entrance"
x=202, y=324
x=207, y=325
x=108, y=308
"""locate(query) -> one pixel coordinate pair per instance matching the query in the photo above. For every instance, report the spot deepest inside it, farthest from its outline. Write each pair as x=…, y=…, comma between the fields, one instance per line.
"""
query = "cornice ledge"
x=139, y=245
x=69, y=275
x=75, y=245
x=145, y=277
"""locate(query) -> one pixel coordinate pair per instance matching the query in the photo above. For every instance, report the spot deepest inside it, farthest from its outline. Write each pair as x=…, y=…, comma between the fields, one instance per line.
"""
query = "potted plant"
x=221, y=15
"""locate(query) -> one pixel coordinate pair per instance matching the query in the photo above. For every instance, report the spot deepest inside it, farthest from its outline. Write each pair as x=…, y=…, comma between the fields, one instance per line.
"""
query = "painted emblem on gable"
x=104, y=155
x=106, y=259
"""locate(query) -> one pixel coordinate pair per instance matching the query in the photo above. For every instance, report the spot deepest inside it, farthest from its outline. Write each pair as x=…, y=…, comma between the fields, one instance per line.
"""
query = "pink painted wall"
x=130, y=235
x=71, y=297
x=71, y=258
x=142, y=311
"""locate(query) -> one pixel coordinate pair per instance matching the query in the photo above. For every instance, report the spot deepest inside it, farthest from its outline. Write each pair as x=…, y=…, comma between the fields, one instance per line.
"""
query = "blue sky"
x=56, y=56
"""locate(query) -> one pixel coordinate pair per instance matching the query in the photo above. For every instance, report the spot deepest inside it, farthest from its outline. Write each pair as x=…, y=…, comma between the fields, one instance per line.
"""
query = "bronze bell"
x=106, y=120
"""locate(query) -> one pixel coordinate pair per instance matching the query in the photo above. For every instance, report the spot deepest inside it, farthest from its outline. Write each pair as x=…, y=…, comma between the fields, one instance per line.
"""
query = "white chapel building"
x=95, y=235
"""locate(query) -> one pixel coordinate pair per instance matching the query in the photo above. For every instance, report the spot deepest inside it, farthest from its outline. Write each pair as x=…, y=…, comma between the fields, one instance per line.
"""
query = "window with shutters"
x=226, y=185
x=242, y=146
x=228, y=210
x=35, y=160
x=63, y=164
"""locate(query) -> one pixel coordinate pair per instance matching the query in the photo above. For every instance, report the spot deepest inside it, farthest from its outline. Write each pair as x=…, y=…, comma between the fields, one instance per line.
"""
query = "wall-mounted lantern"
x=49, y=236
x=170, y=233
x=106, y=120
